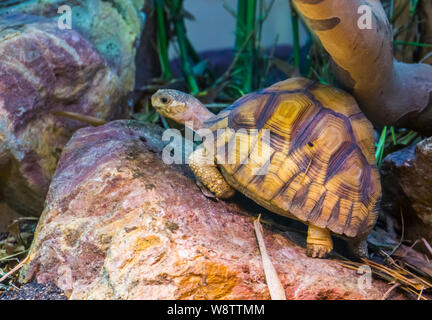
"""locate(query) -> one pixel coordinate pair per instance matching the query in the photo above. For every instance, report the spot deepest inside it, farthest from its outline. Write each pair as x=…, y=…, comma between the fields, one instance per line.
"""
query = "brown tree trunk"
x=388, y=91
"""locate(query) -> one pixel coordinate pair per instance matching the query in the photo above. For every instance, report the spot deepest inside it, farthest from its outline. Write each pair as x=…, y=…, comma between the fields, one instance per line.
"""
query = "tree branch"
x=389, y=92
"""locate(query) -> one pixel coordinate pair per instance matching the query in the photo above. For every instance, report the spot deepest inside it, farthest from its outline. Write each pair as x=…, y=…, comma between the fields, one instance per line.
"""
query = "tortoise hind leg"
x=319, y=242
x=207, y=172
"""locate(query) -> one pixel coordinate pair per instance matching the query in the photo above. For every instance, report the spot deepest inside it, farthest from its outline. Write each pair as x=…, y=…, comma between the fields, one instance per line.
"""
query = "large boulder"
x=112, y=27
x=44, y=69
x=407, y=188
x=119, y=223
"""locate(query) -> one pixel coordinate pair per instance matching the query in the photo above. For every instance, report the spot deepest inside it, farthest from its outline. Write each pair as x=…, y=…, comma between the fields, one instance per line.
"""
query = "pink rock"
x=121, y=224
x=44, y=69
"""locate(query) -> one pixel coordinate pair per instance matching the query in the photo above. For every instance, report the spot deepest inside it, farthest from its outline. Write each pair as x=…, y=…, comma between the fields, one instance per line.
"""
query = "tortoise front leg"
x=209, y=174
x=318, y=242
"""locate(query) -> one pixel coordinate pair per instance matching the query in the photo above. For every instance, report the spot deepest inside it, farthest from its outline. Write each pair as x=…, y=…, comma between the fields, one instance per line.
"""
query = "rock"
x=407, y=186
x=45, y=69
x=34, y=291
x=119, y=223
x=92, y=19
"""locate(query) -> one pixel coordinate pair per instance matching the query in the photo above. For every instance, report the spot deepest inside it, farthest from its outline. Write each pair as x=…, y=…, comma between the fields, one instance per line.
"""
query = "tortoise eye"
x=310, y=144
x=164, y=100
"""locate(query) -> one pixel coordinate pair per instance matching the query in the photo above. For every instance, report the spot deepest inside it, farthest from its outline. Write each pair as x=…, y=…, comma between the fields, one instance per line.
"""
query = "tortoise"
x=319, y=159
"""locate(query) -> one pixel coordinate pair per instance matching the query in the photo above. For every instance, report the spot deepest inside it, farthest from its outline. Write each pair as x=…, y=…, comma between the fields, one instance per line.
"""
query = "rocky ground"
x=121, y=224
x=35, y=291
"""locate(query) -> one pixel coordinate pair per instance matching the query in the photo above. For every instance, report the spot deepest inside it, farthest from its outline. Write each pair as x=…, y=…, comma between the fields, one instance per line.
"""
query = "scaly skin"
x=181, y=107
x=209, y=175
x=319, y=242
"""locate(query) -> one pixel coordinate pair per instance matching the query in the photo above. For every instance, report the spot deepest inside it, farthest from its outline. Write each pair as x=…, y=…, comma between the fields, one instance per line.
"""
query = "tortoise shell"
x=303, y=150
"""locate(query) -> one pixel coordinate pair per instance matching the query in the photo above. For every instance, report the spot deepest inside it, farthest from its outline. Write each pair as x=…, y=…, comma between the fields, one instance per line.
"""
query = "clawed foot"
x=206, y=192
x=317, y=251
x=319, y=242
x=225, y=194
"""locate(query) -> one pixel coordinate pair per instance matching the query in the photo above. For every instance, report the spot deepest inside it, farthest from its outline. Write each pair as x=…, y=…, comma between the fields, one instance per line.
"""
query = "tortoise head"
x=180, y=107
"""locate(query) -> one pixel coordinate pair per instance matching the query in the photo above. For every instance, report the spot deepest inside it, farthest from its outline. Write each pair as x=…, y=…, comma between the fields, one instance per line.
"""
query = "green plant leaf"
x=380, y=146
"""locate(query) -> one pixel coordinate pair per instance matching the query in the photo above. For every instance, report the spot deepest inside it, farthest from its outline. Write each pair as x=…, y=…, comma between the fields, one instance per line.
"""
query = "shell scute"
x=338, y=100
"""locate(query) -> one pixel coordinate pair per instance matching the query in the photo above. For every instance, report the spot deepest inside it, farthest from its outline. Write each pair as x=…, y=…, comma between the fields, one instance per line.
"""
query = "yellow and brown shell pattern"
x=315, y=162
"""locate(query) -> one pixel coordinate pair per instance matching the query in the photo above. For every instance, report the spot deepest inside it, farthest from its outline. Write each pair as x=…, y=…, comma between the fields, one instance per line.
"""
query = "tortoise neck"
x=197, y=114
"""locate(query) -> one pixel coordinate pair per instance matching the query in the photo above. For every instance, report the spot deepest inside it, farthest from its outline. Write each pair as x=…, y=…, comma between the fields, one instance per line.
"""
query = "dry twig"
x=276, y=289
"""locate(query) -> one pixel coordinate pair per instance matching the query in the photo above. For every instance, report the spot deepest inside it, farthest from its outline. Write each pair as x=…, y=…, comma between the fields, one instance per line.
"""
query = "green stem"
x=180, y=30
x=391, y=10
x=243, y=73
x=240, y=34
x=380, y=147
x=186, y=67
x=393, y=134
x=260, y=20
x=240, y=24
x=162, y=39
x=413, y=7
x=412, y=43
x=296, y=37
x=250, y=49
